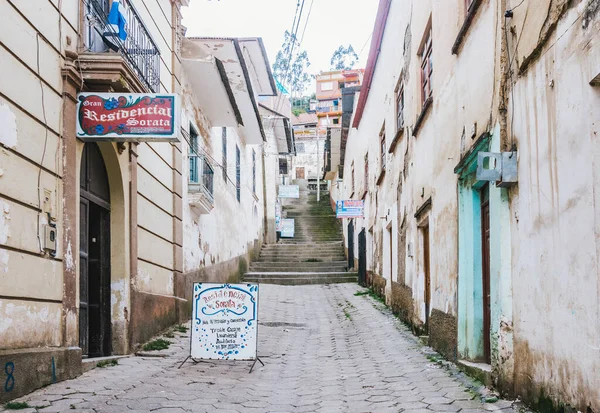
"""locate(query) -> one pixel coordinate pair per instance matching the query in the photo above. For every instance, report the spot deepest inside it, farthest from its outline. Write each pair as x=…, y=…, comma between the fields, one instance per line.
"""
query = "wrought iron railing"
x=201, y=176
x=326, y=109
x=138, y=49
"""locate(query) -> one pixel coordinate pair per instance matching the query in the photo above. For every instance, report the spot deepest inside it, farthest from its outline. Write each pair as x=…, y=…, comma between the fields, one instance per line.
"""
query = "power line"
x=306, y=23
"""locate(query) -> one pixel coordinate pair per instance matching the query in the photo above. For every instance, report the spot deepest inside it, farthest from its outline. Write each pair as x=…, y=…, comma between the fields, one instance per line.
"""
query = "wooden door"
x=94, y=255
x=485, y=270
x=427, y=272
x=300, y=173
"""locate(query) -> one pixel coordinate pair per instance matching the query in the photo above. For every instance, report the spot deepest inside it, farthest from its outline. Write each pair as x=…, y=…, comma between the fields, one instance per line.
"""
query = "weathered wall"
x=36, y=119
x=555, y=216
x=420, y=167
x=311, y=159
x=219, y=246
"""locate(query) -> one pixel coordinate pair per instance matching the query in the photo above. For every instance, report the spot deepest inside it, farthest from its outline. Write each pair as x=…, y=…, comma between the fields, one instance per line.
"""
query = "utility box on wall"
x=497, y=167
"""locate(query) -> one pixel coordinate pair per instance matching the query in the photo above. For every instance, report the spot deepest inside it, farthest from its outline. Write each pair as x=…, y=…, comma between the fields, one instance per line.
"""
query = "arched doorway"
x=94, y=255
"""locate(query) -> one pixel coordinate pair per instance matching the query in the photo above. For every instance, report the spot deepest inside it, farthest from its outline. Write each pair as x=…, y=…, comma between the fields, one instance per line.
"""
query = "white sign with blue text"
x=224, y=321
x=287, y=228
x=289, y=191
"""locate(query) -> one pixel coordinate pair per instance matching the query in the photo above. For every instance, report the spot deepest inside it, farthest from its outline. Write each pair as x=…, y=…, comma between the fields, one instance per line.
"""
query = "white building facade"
x=472, y=262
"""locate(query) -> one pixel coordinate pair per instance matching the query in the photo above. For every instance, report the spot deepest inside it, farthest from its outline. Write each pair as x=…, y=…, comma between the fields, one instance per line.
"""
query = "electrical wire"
x=306, y=23
x=39, y=178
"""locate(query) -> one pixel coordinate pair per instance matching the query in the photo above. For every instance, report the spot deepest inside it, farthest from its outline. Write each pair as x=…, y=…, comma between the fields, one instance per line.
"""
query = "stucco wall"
x=422, y=165
x=555, y=215
x=230, y=231
x=311, y=159
x=30, y=151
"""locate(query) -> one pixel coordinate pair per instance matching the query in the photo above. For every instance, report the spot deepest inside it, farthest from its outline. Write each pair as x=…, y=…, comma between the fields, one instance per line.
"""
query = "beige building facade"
x=100, y=241
x=484, y=267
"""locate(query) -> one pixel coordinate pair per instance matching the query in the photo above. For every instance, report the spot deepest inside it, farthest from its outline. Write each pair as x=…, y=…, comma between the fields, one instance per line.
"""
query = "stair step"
x=301, y=278
x=284, y=267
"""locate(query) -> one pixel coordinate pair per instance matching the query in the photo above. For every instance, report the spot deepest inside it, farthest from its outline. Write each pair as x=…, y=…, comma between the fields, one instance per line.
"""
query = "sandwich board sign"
x=224, y=322
x=289, y=191
x=287, y=228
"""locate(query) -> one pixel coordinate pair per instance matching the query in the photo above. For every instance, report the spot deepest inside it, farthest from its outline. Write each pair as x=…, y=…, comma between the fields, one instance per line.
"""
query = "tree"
x=344, y=58
x=291, y=69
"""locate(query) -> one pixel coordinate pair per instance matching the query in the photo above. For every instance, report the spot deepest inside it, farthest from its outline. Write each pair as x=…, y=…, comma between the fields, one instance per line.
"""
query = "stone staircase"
x=316, y=253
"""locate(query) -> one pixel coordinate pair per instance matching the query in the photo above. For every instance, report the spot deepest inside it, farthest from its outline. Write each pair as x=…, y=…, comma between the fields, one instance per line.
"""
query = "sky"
x=331, y=23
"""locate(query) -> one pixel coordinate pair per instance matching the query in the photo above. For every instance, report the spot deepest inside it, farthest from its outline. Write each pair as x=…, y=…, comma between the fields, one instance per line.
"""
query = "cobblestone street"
x=325, y=349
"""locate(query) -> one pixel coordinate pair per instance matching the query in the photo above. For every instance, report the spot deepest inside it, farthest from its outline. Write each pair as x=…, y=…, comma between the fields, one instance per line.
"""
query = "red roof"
x=380, y=21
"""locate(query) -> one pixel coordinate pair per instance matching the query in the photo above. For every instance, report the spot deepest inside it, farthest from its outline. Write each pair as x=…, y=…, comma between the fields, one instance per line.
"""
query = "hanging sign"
x=277, y=217
x=127, y=117
x=224, y=321
x=287, y=228
x=350, y=209
x=289, y=191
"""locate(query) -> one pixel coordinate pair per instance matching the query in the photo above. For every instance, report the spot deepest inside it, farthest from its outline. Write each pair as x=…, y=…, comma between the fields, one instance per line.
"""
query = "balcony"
x=200, y=186
x=329, y=109
x=110, y=62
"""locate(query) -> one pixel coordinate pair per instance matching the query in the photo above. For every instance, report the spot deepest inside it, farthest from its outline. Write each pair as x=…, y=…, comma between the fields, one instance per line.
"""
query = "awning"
x=229, y=68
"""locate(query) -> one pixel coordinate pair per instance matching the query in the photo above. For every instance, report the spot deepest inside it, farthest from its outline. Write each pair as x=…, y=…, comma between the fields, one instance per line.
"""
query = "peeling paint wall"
x=420, y=167
x=231, y=229
x=311, y=159
x=555, y=120
x=31, y=283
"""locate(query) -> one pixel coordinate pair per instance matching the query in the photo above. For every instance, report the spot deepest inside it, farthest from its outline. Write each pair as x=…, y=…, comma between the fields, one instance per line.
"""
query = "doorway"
x=94, y=255
x=485, y=270
x=351, y=244
x=427, y=274
x=362, y=258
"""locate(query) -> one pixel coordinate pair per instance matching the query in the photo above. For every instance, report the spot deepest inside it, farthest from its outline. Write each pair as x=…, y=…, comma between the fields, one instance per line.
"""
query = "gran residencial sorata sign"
x=130, y=117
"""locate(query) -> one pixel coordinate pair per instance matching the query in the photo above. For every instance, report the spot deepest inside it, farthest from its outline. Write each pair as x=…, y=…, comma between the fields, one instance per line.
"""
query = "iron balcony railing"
x=201, y=176
x=138, y=49
x=326, y=109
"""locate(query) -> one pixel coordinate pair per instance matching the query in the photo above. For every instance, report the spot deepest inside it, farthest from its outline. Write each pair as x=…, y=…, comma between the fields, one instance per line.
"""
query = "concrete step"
x=339, y=266
x=299, y=278
x=296, y=240
x=306, y=245
x=308, y=253
x=292, y=249
x=290, y=259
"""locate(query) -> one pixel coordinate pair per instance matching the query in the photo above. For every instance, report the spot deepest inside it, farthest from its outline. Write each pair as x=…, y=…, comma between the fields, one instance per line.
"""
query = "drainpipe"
x=265, y=218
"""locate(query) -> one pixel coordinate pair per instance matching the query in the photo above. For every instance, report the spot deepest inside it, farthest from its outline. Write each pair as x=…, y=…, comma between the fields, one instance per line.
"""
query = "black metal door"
x=94, y=255
x=351, y=244
x=362, y=258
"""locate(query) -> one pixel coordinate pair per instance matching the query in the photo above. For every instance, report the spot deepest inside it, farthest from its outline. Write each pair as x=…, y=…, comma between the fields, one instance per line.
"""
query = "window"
x=400, y=106
x=382, y=147
x=426, y=67
x=201, y=172
x=193, y=155
x=336, y=121
x=283, y=166
x=300, y=147
x=253, y=172
x=326, y=86
x=224, y=163
x=238, y=183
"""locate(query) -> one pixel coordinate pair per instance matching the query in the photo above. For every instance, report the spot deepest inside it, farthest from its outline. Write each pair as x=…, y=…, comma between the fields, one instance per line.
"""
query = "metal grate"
x=138, y=50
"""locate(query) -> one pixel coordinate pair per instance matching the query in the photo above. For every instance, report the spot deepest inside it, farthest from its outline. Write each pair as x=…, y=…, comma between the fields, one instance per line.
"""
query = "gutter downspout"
x=265, y=209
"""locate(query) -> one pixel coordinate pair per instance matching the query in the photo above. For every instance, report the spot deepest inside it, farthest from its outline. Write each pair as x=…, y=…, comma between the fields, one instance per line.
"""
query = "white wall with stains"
x=230, y=230
x=555, y=119
x=30, y=172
